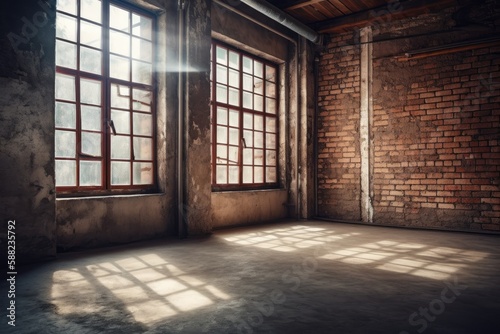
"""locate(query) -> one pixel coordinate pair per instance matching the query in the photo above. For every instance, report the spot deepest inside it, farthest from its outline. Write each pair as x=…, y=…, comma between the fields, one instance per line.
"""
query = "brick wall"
x=436, y=124
x=435, y=133
x=338, y=131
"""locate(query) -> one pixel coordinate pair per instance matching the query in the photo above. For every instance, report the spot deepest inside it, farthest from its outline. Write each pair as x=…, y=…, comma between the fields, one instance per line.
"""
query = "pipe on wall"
x=181, y=226
x=284, y=19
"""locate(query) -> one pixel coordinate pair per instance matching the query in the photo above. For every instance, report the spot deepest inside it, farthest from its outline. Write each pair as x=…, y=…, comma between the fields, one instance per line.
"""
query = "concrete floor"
x=295, y=277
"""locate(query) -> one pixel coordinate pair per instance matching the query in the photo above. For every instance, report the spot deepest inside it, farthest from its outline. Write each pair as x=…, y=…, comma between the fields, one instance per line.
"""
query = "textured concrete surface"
x=294, y=277
x=27, y=192
x=232, y=208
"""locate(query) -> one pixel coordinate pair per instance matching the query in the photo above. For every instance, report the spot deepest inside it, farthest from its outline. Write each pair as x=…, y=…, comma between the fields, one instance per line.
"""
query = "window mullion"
x=106, y=107
x=240, y=125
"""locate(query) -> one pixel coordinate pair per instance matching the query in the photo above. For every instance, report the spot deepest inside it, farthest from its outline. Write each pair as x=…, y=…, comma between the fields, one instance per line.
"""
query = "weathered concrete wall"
x=435, y=131
x=27, y=188
x=232, y=28
x=242, y=208
x=92, y=222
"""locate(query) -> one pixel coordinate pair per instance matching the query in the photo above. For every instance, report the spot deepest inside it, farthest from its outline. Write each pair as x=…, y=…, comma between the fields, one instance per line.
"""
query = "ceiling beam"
x=399, y=10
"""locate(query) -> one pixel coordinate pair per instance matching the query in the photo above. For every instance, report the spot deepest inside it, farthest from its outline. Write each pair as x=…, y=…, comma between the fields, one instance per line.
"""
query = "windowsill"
x=108, y=196
x=248, y=191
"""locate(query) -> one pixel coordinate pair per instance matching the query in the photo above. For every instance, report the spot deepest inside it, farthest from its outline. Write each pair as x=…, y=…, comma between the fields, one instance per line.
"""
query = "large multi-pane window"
x=244, y=120
x=104, y=90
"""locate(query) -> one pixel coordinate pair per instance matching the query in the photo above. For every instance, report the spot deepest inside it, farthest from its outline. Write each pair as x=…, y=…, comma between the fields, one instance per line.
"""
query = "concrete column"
x=197, y=196
x=306, y=131
x=365, y=124
x=27, y=191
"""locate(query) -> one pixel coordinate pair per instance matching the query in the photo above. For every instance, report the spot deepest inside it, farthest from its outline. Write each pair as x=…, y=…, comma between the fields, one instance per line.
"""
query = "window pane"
x=248, y=137
x=247, y=156
x=91, y=9
x=141, y=72
x=247, y=82
x=258, y=86
x=143, y=124
x=234, y=172
x=221, y=116
x=65, y=54
x=143, y=148
x=120, y=147
x=270, y=89
x=65, y=144
x=222, y=74
x=68, y=6
x=120, y=96
x=141, y=49
x=271, y=140
x=90, y=173
x=221, y=174
x=247, y=65
x=234, y=118
x=221, y=135
x=65, y=173
x=233, y=155
x=91, y=144
x=141, y=26
x=91, y=118
x=141, y=100
x=234, y=78
x=258, y=69
x=120, y=173
x=221, y=55
x=271, y=106
x=258, y=103
x=259, y=122
x=143, y=173
x=258, y=174
x=271, y=124
x=258, y=140
x=119, y=43
x=221, y=153
x=121, y=121
x=90, y=60
x=258, y=157
x=271, y=157
x=234, y=60
x=247, y=174
x=247, y=120
x=271, y=176
x=119, y=67
x=247, y=100
x=65, y=115
x=119, y=18
x=234, y=96
x=221, y=94
x=90, y=91
x=270, y=74
x=65, y=87
x=66, y=27
x=90, y=34
x=234, y=136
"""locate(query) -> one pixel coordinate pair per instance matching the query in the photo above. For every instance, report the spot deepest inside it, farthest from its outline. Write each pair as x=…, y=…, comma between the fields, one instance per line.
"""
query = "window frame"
x=106, y=82
x=241, y=186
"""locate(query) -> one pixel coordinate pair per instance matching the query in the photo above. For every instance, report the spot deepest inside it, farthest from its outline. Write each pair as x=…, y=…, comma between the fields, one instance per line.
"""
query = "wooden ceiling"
x=343, y=15
x=314, y=11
